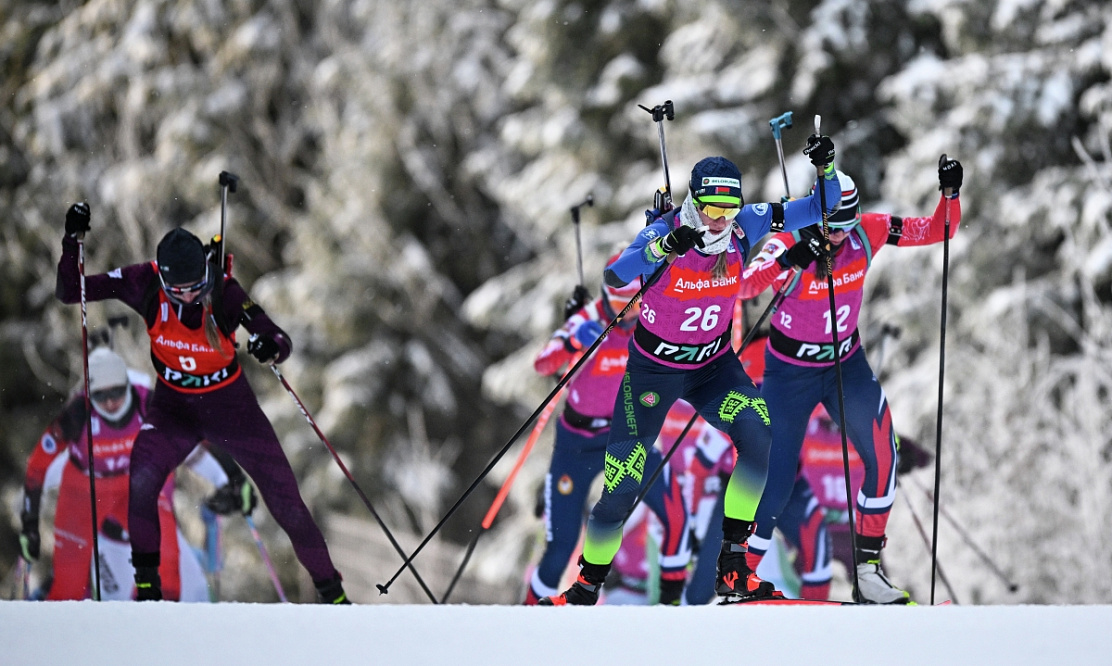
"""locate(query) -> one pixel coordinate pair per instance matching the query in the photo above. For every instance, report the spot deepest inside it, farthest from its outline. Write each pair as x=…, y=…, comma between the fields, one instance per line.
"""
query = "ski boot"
x=148, y=584
x=873, y=585
x=331, y=591
x=671, y=588
x=531, y=598
x=736, y=581
x=584, y=591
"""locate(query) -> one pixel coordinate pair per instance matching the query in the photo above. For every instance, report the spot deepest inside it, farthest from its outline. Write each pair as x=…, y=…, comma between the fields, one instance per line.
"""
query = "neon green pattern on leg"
x=617, y=470
x=735, y=403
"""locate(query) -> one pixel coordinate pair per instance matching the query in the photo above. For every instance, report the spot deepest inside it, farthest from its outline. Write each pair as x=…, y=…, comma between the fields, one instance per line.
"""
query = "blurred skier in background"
x=120, y=398
x=800, y=373
x=681, y=349
x=580, y=446
x=192, y=310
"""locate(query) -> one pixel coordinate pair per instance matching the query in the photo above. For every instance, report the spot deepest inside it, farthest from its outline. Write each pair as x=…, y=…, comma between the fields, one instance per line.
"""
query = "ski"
x=784, y=601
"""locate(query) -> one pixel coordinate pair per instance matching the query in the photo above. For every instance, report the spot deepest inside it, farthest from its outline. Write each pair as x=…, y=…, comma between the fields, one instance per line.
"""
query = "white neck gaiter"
x=715, y=243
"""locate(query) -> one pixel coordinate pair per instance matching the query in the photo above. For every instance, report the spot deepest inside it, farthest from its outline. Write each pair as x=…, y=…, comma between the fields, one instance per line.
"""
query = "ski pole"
x=384, y=588
x=927, y=545
x=779, y=123
x=228, y=183
x=496, y=505
x=89, y=414
x=838, y=360
x=266, y=558
x=1012, y=585
x=580, y=295
x=941, y=378
x=768, y=312
x=589, y=201
x=351, y=479
x=661, y=112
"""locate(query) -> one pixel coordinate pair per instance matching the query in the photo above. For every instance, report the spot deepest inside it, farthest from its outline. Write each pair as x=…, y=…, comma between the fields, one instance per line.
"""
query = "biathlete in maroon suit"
x=580, y=446
x=681, y=349
x=800, y=373
x=192, y=311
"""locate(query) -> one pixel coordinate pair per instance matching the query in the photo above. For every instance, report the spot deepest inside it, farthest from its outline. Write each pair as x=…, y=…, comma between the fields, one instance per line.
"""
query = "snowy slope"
x=128, y=633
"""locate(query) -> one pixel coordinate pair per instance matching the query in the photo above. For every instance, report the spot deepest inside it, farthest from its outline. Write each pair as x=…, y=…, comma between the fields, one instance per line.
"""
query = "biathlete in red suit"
x=60, y=459
x=800, y=373
x=192, y=310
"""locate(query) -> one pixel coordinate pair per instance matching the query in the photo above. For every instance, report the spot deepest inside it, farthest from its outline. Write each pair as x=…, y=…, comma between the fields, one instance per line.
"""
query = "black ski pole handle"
x=229, y=180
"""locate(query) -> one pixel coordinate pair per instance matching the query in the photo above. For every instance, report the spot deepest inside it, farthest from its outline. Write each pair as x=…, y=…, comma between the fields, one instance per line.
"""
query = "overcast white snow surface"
x=129, y=633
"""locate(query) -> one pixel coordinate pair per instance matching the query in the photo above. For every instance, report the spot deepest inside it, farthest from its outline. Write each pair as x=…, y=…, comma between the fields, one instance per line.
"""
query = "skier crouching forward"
x=799, y=361
x=681, y=349
x=192, y=310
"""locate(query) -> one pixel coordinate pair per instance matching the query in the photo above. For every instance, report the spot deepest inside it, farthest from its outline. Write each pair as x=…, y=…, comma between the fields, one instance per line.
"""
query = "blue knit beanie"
x=716, y=180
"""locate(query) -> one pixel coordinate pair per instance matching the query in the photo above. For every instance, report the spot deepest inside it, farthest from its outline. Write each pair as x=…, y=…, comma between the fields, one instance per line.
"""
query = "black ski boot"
x=671, y=591
x=148, y=584
x=736, y=581
x=584, y=591
x=331, y=591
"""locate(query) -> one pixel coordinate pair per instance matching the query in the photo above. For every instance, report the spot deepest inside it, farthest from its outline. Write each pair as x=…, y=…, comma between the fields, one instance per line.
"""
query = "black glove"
x=232, y=497
x=29, y=541
x=263, y=348
x=578, y=299
x=811, y=246
x=949, y=174
x=681, y=239
x=820, y=149
x=77, y=219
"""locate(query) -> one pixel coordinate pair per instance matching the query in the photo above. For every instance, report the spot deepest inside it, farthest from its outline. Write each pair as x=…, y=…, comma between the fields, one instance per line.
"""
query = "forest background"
x=407, y=171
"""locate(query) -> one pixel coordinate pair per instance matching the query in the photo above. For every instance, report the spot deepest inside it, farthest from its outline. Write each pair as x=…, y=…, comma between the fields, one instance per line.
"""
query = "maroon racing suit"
x=211, y=403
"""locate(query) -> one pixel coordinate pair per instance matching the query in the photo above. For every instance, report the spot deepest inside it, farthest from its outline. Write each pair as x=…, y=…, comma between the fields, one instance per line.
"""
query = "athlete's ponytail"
x=720, y=269
x=212, y=331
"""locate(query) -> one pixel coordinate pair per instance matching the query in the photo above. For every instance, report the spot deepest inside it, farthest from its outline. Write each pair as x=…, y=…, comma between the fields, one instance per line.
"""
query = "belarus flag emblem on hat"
x=721, y=182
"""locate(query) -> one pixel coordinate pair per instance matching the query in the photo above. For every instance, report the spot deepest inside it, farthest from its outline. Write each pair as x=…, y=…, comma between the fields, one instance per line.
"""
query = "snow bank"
x=164, y=633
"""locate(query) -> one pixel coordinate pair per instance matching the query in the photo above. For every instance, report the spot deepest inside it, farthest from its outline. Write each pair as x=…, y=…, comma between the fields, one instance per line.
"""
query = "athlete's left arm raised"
x=884, y=229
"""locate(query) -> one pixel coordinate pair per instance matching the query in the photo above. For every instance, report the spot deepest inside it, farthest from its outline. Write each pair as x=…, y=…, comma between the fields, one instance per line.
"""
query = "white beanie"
x=106, y=370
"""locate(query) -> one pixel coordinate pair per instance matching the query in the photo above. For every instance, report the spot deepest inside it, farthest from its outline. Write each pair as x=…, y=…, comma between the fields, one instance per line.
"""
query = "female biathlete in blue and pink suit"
x=799, y=361
x=681, y=349
x=581, y=435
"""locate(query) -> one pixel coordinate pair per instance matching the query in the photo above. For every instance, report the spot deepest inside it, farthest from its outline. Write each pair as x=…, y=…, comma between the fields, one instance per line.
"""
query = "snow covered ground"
x=129, y=633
